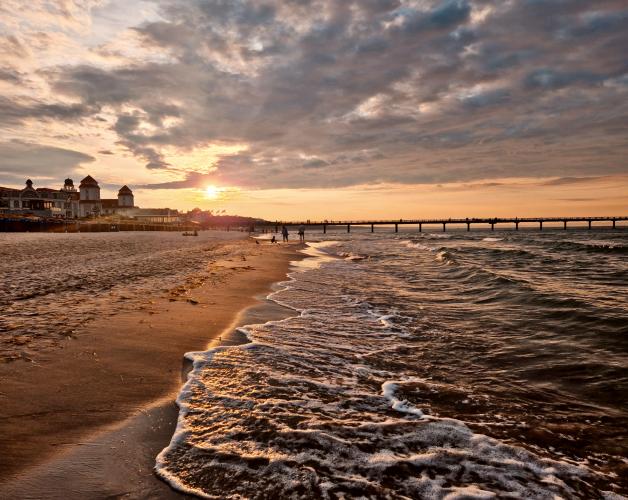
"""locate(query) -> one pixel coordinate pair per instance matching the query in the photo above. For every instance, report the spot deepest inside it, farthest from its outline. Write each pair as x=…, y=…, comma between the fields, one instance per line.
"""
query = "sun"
x=212, y=192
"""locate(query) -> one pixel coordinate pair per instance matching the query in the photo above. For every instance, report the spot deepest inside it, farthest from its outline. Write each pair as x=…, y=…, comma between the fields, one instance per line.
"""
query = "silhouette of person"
x=273, y=239
x=284, y=233
x=302, y=233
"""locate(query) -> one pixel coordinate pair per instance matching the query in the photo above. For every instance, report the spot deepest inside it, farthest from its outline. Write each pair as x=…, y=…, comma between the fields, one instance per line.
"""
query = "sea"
x=452, y=365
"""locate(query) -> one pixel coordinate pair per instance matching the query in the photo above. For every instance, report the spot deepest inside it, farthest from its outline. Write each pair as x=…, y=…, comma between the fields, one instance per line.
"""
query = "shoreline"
x=81, y=426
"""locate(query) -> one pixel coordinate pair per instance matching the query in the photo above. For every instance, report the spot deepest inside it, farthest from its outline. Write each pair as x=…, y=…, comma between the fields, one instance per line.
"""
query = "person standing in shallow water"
x=284, y=233
x=302, y=234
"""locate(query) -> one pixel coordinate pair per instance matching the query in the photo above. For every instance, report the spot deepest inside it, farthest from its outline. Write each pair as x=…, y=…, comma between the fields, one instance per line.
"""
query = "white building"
x=124, y=205
x=69, y=203
x=92, y=204
x=44, y=202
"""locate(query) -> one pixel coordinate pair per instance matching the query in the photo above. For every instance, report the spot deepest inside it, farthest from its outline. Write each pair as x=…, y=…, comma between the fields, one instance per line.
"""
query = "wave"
x=438, y=236
x=319, y=405
x=277, y=431
x=417, y=245
x=591, y=246
x=352, y=256
x=445, y=256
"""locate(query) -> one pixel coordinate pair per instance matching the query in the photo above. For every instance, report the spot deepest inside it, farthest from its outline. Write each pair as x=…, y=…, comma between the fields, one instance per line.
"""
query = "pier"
x=484, y=223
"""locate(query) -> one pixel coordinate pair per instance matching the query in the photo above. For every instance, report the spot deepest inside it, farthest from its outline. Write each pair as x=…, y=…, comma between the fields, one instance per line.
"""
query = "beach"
x=365, y=365
x=87, y=416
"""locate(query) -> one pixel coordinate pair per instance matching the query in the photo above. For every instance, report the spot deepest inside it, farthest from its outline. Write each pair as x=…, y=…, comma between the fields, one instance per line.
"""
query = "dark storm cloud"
x=19, y=159
x=191, y=180
x=549, y=79
x=10, y=75
x=562, y=181
x=391, y=90
x=449, y=13
x=13, y=111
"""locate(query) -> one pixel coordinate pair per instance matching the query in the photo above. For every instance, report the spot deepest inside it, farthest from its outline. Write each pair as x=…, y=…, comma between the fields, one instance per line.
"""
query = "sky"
x=322, y=109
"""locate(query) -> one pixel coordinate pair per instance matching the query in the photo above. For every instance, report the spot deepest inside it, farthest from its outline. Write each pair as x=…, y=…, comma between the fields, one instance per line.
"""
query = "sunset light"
x=212, y=192
x=314, y=249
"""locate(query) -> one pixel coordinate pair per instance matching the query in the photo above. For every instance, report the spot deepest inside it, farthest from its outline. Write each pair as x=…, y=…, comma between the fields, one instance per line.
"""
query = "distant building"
x=44, y=202
x=125, y=197
x=124, y=205
x=157, y=215
x=69, y=203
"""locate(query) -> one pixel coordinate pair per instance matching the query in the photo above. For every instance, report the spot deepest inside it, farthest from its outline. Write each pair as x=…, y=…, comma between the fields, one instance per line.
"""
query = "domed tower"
x=89, y=204
x=126, y=198
x=90, y=190
x=68, y=186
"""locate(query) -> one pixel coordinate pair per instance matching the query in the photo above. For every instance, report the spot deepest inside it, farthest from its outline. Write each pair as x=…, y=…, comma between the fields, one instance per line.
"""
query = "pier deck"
x=514, y=222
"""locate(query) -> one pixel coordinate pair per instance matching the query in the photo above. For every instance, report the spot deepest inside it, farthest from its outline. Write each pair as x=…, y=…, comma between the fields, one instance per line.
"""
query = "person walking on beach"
x=284, y=233
x=302, y=233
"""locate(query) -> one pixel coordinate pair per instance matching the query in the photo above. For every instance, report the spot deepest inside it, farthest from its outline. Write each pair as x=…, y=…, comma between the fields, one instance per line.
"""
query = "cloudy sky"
x=322, y=108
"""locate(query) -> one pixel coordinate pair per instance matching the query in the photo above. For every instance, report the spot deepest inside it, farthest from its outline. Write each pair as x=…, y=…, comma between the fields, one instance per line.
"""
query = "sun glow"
x=212, y=192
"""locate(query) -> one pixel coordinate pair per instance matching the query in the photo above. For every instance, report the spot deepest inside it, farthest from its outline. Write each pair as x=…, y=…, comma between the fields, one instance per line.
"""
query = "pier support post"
x=348, y=228
x=276, y=229
x=565, y=225
x=540, y=225
x=614, y=223
x=589, y=225
x=372, y=228
x=468, y=227
x=396, y=228
x=492, y=226
x=516, y=226
x=420, y=228
x=444, y=227
x=324, y=228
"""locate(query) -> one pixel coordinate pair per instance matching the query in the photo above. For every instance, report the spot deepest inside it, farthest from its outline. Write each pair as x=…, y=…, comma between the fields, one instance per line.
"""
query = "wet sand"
x=87, y=421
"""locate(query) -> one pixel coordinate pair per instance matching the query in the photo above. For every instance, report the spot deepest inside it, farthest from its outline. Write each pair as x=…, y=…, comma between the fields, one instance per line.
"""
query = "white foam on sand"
x=389, y=388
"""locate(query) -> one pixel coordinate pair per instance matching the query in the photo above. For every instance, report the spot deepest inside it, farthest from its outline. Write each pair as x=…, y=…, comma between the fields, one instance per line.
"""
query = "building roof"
x=124, y=190
x=89, y=181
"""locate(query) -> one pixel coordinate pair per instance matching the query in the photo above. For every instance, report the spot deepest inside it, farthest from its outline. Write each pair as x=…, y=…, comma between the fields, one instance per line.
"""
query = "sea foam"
x=326, y=404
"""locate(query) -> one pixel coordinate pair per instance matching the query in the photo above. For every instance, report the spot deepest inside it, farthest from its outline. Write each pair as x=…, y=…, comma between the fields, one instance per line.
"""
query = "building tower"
x=71, y=204
x=68, y=186
x=90, y=190
x=125, y=198
x=90, y=204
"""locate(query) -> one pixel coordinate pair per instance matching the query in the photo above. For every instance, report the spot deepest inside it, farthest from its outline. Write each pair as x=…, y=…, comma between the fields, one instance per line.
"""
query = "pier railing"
x=484, y=221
